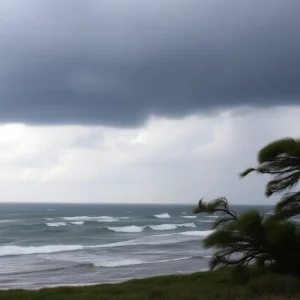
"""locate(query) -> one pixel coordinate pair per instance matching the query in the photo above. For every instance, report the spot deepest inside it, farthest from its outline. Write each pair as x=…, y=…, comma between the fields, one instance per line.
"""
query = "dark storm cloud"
x=116, y=62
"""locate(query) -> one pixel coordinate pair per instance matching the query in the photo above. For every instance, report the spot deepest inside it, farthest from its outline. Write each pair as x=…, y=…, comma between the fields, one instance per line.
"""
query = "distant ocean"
x=69, y=244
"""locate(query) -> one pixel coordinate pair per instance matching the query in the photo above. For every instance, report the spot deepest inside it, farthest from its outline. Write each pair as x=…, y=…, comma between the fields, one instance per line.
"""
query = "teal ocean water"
x=70, y=244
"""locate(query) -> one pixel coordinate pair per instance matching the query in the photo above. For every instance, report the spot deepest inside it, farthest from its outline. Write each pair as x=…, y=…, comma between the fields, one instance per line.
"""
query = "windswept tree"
x=281, y=160
x=251, y=237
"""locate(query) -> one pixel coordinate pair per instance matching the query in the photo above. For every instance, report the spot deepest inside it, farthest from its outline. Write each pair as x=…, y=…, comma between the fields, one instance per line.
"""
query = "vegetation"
x=281, y=160
x=217, y=285
x=253, y=237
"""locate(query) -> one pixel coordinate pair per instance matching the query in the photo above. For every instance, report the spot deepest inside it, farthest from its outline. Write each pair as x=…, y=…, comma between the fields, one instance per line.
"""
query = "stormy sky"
x=165, y=100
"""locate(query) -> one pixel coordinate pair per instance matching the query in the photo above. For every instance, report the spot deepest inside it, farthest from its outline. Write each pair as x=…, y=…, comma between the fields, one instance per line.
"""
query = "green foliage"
x=252, y=237
x=219, y=206
x=281, y=160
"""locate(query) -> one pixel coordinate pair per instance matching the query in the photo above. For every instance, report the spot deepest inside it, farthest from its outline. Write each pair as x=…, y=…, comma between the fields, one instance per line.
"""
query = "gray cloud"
x=117, y=62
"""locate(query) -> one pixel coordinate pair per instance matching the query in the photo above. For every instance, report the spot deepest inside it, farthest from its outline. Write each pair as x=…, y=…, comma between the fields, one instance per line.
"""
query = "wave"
x=146, y=240
x=125, y=218
x=134, y=228
x=86, y=218
x=162, y=239
x=127, y=229
x=118, y=263
x=77, y=223
x=212, y=217
x=18, y=250
x=6, y=221
x=189, y=217
x=163, y=216
x=56, y=224
x=197, y=233
x=131, y=262
x=206, y=221
x=170, y=226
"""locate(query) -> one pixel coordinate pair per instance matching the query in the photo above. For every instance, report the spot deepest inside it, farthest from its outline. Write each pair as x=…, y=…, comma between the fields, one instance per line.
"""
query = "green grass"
x=218, y=285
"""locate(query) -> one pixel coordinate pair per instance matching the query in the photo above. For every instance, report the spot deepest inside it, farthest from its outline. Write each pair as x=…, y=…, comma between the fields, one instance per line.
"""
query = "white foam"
x=197, y=233
x=189, y=217
x=170, y=226
x=134, y=228
x=161, y=239
x=130, y=262
x=163, y=227
x=206, y=221
x=18, y=250
x=56, y=224
x=6, y=221
x=49, y=219
x=86, y=218
x=125, y=218
x=212, y=217
x=77, y=223
x=186, y=225
x=117, y=263
x=127, y=229
x=163, y=216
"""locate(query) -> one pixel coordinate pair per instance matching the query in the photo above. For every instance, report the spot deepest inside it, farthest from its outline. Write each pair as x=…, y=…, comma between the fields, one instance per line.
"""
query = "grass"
x=217, y=285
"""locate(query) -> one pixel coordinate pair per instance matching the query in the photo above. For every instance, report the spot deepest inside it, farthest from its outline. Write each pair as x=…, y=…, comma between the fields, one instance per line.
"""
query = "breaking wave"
x=18, y=250
x=86, y=218
x=197, y=233
x=148, y=240
x=130, y=262
x=134, y=228
x=163, y=216
x=56, y=224
x=127, y=229
x=77, y=223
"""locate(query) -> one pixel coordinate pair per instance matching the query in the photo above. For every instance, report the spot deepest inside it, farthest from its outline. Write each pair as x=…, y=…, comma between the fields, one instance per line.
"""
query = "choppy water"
x=64, y=244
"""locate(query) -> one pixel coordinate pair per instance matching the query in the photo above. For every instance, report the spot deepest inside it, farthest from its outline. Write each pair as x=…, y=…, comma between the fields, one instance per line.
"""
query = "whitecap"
x=163, y=227
x=189, y=217
x=117, y=263
x=206, y=221
x=130, y=262
x=77, y=223
x=197, y=233
x=127, y=229
x=18, y=250
x=86, y=218
x=161, y=239
x=163, y=216
x=170, y=226
x=56, y=224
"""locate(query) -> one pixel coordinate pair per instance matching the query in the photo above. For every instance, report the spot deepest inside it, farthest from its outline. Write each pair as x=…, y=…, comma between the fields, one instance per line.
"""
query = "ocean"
x=43, y=245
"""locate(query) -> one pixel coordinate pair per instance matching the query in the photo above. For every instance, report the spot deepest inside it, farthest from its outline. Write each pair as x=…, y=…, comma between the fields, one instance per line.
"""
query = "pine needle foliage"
x=281, y=160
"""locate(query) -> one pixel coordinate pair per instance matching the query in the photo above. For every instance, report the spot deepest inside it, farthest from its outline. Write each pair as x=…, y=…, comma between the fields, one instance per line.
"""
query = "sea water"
x=76, y=244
